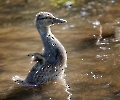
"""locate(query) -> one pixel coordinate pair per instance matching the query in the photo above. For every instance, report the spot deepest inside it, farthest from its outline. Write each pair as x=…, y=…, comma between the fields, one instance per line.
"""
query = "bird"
x=50, y=64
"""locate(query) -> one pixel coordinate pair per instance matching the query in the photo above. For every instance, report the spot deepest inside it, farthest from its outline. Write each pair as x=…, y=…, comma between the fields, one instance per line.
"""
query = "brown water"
x=93, y=68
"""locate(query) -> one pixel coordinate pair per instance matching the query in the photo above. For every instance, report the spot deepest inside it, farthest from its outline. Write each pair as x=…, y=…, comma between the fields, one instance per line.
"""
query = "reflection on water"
x=93, y=69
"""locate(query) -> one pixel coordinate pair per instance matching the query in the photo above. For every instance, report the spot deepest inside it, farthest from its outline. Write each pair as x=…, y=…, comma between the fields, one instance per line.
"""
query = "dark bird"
x=50, y=64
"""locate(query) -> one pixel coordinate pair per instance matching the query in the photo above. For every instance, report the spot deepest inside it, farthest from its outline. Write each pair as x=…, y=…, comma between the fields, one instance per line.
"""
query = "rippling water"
x=91, y=38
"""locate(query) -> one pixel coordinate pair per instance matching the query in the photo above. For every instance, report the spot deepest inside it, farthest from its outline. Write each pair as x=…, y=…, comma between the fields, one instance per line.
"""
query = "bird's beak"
x=58, y=20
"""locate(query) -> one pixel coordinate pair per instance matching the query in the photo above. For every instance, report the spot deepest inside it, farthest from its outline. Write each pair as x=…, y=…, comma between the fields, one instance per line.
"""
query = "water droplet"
x=72, y=26
x=32, y=57
x=36, y=71
x=112, y=1
x=94, y=76
x=98, y=56
x=53, y=44
x=91, y=72
x=108, y=84
x=84, y=13
x=118, y=94
x=96, y=23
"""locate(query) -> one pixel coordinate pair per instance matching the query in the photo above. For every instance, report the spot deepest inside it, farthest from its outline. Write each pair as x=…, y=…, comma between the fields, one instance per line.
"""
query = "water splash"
x=67, y=87
x=18, y=80
x=94, y=75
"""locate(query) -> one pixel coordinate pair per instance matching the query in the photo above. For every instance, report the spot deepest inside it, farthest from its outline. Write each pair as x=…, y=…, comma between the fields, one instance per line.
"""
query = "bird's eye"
x=39, y=15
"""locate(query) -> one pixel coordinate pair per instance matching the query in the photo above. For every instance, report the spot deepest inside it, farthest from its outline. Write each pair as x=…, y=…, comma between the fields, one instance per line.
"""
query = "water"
x=93, y=66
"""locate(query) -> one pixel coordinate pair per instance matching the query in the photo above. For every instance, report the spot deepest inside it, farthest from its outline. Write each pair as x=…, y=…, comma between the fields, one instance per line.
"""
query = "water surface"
x=93, y=66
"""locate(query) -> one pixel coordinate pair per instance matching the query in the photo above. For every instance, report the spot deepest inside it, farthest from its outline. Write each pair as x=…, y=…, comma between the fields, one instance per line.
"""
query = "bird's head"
x=47, y=19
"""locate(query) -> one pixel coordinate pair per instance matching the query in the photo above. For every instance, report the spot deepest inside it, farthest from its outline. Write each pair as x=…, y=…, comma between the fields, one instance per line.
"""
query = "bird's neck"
x=44, y=31
x=46, y=36
x=52, y=47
